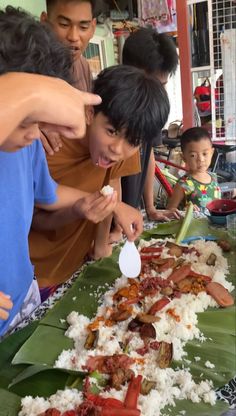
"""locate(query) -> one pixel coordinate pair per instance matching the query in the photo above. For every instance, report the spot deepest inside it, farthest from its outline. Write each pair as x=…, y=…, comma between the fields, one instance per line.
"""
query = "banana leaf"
x=10, y=403
x=28, y=382
x=48, y=339
x=8, y=349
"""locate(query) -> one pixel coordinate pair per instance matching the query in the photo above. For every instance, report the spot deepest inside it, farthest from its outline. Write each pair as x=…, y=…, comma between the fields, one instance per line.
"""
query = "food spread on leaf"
x=133, y=350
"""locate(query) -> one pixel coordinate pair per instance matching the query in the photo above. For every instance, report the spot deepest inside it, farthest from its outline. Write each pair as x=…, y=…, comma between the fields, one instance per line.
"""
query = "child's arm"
x=102, y=248
x=148, y=194
x=68, y=208
x=5, y=304
x=176, y=198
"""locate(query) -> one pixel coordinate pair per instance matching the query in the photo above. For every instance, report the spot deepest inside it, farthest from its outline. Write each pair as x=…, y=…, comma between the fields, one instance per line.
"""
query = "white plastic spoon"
x=129, y=260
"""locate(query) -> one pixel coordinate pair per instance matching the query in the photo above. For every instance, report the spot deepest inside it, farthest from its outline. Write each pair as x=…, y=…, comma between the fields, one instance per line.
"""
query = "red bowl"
x=221, y=206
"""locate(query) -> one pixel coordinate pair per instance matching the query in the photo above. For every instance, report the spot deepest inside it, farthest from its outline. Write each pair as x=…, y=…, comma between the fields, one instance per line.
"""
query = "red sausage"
x=179, y=274
x=220, y=294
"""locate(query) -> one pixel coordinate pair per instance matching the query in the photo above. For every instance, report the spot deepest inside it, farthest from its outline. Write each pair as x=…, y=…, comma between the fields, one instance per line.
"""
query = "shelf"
x=190, y=2
x=201, y=68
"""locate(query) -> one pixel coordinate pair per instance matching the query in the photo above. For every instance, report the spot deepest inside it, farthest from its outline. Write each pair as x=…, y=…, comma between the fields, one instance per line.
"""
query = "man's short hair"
x=51, y=3
x=194, y=134
x=28, y=46
x=154, y=52
x=132, y=100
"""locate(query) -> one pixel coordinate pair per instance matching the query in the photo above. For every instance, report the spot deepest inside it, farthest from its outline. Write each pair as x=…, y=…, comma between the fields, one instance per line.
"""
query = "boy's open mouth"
x=105, y=162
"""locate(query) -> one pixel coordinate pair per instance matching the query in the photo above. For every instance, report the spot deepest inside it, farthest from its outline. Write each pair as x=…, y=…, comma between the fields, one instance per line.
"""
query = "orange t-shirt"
x=57, y=254
x=82, y=78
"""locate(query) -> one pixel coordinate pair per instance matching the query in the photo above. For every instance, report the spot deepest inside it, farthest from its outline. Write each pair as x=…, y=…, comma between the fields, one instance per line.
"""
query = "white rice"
x=170, y=384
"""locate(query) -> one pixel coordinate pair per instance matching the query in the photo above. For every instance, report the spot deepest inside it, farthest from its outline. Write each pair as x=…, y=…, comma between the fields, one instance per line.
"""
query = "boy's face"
x=198, y=155
x=22, y=136
x=73, y=24
x=106, y=145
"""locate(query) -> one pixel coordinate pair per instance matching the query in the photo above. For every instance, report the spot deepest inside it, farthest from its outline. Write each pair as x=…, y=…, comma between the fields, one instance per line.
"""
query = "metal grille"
x=223, y=68
x=93, y=56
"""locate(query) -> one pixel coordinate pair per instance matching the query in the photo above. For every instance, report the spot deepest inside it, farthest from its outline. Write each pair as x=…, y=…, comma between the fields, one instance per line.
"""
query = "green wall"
x=33, y=6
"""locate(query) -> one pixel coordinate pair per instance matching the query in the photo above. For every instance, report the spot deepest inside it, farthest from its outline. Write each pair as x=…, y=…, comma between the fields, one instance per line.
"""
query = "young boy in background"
x=198, y=186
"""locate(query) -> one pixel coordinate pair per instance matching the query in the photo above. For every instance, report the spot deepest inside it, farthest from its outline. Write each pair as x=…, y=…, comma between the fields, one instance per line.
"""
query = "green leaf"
x=39, y=380
x=185, y=224
x=10, y=403
x=43, y=347
x=196, y=409
x=84, y=293
x=48, y=340
x=8, y=348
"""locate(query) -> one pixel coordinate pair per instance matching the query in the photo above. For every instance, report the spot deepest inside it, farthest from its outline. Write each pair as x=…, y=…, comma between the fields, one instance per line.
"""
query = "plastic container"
x=221, y=207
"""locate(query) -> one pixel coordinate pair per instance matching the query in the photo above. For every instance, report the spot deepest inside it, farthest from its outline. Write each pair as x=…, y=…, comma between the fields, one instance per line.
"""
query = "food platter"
x=35, y=349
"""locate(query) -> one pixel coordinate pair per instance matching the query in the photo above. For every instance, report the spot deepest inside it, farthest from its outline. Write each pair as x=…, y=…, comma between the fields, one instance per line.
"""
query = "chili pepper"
x=152, y=256
x=104, y=401
x=130, y=302
x=111, y=411
x=158, y=305
x=131, y=398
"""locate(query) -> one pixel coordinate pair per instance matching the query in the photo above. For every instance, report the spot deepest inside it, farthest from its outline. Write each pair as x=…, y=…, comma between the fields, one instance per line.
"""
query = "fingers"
x=51, y=142
x=91, y=99
x=5, y=303
x=54, y=141
x=96, y=207
x=102, y=207
x=47, y=147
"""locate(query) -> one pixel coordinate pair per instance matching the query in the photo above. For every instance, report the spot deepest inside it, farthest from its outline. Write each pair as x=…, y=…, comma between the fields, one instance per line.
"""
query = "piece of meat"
x=211, y=261
x=147, y=319
x=147, y=331
x=119, y=377
x=91, y=340
x=165, y=354
x=135, y=325
x=108, y=364
x=51, y=412
x=174, y=249
x=220, y=294
x=225, y=245
x=158, y=305
x=147, y=386
x=180, y=273
x=87, y=408
x=120, y=316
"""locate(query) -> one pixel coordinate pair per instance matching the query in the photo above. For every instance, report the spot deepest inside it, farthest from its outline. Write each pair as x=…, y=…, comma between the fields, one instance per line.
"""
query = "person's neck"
x=203, y=177
x=84, y=141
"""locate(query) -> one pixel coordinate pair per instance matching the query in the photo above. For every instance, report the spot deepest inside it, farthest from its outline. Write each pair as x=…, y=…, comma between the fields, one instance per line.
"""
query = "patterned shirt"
x=199, y=193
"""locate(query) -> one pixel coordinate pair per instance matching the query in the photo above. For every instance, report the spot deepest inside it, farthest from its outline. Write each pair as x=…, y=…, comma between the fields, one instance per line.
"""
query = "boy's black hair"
x=28, y=46
x=132, y=100
x=51, y=3
x=195, y=134
x=154, y=52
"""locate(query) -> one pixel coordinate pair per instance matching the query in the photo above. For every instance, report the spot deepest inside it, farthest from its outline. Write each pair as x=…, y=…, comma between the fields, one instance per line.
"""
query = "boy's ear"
x=89, y=114
x=43, y=17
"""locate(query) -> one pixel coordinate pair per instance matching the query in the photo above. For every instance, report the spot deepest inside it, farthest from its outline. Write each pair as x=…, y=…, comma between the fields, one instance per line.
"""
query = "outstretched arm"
x=72, y=205
x=176, y=198
x=148, y=188
x=37, y=98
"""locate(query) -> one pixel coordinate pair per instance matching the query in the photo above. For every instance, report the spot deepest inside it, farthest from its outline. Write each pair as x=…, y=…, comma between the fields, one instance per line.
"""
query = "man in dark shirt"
x=156, y=54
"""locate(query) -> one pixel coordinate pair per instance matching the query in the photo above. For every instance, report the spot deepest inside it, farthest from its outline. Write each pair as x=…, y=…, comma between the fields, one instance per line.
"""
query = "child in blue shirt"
x=28, y=46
